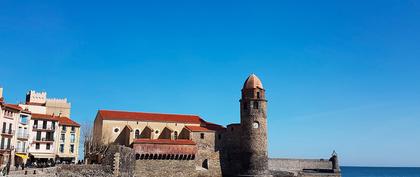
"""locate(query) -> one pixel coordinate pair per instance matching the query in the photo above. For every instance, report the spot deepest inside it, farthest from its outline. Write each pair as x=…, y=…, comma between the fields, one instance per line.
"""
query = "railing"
x=8, y=131
x=47, y=139
x=44, y=139
x=43, y=128
x=5, y=147
x=23, y=135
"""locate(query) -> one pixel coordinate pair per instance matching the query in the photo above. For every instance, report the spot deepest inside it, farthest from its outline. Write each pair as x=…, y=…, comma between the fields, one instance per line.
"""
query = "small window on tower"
x=255, y=105
x=258, y=94
x=202, y=135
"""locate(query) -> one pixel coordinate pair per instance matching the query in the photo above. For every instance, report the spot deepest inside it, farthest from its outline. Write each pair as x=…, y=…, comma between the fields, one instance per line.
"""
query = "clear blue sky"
x=339, y=75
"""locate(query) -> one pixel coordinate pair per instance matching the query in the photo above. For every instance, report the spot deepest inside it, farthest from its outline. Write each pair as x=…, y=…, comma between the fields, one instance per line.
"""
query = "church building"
x=187, y=145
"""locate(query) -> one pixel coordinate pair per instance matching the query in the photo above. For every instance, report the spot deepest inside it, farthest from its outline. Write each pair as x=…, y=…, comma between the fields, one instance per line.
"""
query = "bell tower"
x=254, y=128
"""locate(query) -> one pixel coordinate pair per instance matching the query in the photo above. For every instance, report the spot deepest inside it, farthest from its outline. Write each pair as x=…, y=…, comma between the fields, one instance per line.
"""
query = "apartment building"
x=37, y=131
x=68, y=146
x=44, y=136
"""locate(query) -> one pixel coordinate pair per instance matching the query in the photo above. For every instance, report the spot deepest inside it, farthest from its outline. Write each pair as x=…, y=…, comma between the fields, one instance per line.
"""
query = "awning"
x=23, y=156
x=43, y=156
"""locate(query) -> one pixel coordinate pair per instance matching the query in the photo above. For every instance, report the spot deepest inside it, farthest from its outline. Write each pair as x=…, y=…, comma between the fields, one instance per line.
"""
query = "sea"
x=380, y=171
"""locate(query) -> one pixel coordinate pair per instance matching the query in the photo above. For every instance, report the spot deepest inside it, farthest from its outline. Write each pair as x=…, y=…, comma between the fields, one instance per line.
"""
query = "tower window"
x=202, y=135
x=255, y=105
x=258, y=94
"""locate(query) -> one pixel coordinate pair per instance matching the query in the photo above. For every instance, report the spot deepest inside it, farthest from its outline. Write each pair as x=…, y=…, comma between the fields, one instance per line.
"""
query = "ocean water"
x=380, y=172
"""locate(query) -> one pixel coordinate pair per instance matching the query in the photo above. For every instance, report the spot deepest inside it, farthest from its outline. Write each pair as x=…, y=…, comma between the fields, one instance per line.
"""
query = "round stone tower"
x=254, y=128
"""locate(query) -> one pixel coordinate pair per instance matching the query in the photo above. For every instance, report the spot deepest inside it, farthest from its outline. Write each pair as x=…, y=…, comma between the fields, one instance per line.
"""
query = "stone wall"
x=176, y=168
x=295, y=165
x=126, y=160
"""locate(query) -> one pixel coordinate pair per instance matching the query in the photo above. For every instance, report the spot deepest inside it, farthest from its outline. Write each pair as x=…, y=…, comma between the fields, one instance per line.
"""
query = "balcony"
x=44, y=139
x=5, y=148
x=8, y=132
x=42, y=128
x=23, y=136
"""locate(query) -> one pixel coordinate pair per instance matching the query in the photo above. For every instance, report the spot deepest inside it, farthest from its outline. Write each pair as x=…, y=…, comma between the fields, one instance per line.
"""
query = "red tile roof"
x=198, y=129
x=142, y=116
x=13, y=106
x=164, y=141
x=67, y=121
x=213, y=126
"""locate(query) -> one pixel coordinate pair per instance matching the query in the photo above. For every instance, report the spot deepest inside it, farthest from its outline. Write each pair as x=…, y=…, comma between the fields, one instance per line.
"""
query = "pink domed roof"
x=253, y=82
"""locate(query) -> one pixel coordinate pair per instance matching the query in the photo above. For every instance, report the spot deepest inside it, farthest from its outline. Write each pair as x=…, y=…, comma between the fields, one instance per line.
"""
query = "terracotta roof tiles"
x=142, y=116
x=67, y=121
x=164, y=141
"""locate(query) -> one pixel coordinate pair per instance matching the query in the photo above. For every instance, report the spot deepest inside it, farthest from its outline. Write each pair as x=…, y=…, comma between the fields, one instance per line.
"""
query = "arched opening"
x=142, y=157
x=205, y=164
x=255, y=105
x=166, y=133
x=175, y=135
x=146, y=133
x=137, y=134
x=137, y=156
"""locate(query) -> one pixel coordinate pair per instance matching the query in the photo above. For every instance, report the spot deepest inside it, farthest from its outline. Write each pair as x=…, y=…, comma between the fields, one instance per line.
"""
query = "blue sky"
x=339, y=75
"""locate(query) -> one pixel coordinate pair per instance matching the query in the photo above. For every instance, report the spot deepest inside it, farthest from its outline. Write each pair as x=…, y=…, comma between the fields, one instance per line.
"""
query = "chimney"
x=1, y=92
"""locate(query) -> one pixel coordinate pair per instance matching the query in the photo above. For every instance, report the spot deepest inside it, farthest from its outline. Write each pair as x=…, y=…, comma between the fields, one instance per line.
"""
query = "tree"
x=94, y=148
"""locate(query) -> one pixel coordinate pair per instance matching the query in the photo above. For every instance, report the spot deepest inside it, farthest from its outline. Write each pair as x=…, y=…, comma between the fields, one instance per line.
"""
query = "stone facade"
x=186, y=145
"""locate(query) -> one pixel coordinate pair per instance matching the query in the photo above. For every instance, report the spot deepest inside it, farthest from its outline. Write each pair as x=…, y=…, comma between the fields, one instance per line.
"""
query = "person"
x=17, y=166
x=23, y=166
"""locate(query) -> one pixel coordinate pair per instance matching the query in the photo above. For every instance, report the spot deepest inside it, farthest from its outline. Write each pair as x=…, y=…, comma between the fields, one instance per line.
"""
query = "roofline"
x=149, y=112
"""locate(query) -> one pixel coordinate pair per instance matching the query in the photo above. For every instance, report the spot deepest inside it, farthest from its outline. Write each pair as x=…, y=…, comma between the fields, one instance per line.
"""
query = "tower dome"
x=253, y=82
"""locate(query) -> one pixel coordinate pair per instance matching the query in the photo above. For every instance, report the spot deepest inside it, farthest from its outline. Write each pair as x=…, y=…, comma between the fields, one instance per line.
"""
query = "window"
x=219, y=136
x=44, y=124
x=72, y=138
x=157, y=131
x=23, y=119
x=63, y=137
x=37, y=146
x=205, y=164
x=202, y=135
x=137, y=134
x=48, y=146
x=4, y=128
x=72, y=148
x=64, y=128
x=73, y=128
x=116, y=130
x=10, y=128
x=35, y=124
x=53, y=125
x=255, y=104
x=258, y=94
x=2, y=143
x=175, y=135
x=62, y=148
x=38, y=136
